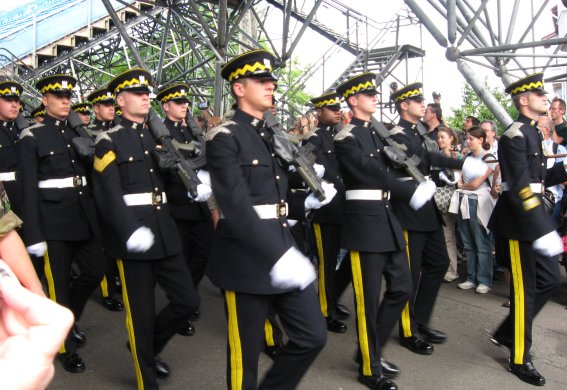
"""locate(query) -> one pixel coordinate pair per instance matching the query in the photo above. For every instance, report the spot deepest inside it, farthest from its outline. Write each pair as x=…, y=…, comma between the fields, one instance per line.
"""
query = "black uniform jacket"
x=322, y=139
x=519, y=213
x=427, y=218
x=124, y=164
x=369, y=225
x=96, y=126
x=9, y=161
x=244, y=173
x=59, y=214
x=182, y=207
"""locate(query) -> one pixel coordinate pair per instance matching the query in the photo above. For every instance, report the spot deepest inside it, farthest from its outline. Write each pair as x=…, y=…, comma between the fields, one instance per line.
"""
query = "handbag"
x=548, y=200
x=443, y=197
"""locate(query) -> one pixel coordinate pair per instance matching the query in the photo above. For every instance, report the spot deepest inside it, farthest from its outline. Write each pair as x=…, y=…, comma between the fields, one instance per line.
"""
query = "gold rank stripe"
x=358, y=88
x=8, y=91
x=358, y=287
x=100, y=164
x=519, y=301
x=530, y=203
x=327, y=102
x=321, y=269
x=235, y=348
x=407, y=95
x=525, y=193
x=129, y=83
x=56, y=87
x=172, y=96
x=527, y=87
x=405, y=314
x=247, y=68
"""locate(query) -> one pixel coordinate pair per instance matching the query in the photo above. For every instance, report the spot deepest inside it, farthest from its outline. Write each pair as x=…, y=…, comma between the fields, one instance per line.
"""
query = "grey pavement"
x=466, y=361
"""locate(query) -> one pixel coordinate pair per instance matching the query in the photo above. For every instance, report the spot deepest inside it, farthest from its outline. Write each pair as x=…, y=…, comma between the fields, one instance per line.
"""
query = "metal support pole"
x=287, y=54
x=163, y=49
x=424, y=19
x=124, y=34
x=484, y=94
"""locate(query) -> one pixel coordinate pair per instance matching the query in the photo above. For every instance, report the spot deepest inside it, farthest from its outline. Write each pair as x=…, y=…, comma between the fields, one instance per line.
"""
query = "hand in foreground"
x=32, y=329
x=292, y=270
x=424, y=191
x=549, y=244
x=312, y=203
x=141, y=240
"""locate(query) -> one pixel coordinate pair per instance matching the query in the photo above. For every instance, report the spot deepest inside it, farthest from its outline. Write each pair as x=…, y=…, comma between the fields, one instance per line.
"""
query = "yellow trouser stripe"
x=269, y=333
x=130, y=326
x=104, y=287
x=406, y=320
x=236, y=371
x=51, y=286
x=322, y=287
x=519, y=318
x=360, y=312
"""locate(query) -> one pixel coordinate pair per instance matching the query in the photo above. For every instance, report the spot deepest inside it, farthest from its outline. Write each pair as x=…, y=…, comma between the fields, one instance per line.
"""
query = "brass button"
x=131, y=159
x=255, y=162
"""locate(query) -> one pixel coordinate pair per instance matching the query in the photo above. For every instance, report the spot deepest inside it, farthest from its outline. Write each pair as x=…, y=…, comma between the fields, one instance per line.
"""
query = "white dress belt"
x=408, y=178
x=535, y=187
x=367, y=195
x=67, y=182
x=145, y=199
x=7, y=176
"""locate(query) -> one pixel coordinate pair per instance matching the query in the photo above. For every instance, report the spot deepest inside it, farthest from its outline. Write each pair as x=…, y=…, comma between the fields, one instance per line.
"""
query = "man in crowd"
x=557, y=114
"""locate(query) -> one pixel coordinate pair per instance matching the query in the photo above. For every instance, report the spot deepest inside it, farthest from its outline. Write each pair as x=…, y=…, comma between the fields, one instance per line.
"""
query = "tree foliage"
x=474, y=106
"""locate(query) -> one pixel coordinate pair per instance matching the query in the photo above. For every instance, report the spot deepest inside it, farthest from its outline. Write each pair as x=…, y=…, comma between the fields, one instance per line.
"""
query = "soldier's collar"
x=169, y=123
x=59, y=124
x=7, y=124
x=359, y=122
x=406, y=124
x=132, y=125
x=241, y=116
x=528, y=121
x=105, y=124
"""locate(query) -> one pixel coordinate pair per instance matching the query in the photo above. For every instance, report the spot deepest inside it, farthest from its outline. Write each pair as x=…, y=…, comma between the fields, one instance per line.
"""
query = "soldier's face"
x=414, y=109
x=57, y=106
x=134, y=105
x=537, y=102
x=104, y=111
x=85, y=118
x=329, y=116
x=364, y=103
x=176, y=110
x=255, y=95
x=9, y=109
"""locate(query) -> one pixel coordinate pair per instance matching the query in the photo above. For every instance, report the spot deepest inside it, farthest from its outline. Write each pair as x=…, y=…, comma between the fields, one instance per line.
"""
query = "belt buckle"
x=157, y=198
x=281, y=210
x=386, y=195
x=77, y=181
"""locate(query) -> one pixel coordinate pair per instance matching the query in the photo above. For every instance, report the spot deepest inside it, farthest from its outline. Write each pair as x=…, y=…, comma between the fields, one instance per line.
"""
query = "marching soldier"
x=193, y=219
x=328, y=219
x=254, y=259
x=58, y=209
x=372, y=232
x=84, y=112
x=139, y=230
x=526, y=240
x=426, y=246
x=102, y=102
x=38, y=114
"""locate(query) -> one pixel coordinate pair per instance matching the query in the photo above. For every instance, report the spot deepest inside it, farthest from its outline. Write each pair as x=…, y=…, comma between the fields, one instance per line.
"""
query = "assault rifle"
x=84, y=144
x=169, y=156
x=395, y=152
x=292, y=155
x=21, y=122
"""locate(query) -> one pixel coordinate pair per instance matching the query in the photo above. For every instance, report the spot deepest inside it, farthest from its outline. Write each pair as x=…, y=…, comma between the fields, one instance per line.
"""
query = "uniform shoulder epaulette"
x=222, y=128
x=27, y=132
x=397, y=130
x=311, y=133
x=514, y=130
x=346, y=132
x=114, y=129
x=105, y=135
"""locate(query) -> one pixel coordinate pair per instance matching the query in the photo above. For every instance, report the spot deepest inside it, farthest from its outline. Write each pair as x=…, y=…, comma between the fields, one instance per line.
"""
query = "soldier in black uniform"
x=84, y=111
x=328, y=219
x=10, y=93
x=526, y=240
x=372, y=232
x=427, y=251
x=254, y=259
x=102, y=102
x=38, y=113
x=193, y=219
x=138, y=229
x=58, y=209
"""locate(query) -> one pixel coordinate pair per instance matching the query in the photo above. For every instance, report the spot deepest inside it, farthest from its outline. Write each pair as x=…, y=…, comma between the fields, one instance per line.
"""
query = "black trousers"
x=429, y=260
x=197, y=242
x=57, y=266
x=147, y=333
x=107, y=285
x=332, y=282
x=533, y=279
x=302, y=321
x=374, y=319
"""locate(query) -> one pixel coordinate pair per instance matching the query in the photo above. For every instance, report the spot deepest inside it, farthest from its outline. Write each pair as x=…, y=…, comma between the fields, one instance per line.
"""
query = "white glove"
x=473, y=168
x=141, y=240
x=292, y=270
x=424, y=191
x=549, y=245
x=311, y=202
x=444, y=178
x=204, y=177
x=204, y=192
x=319, y=170
x=38, y=249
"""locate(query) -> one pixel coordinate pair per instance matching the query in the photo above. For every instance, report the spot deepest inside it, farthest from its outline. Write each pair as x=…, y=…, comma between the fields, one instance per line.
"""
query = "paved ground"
x=466, y=361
